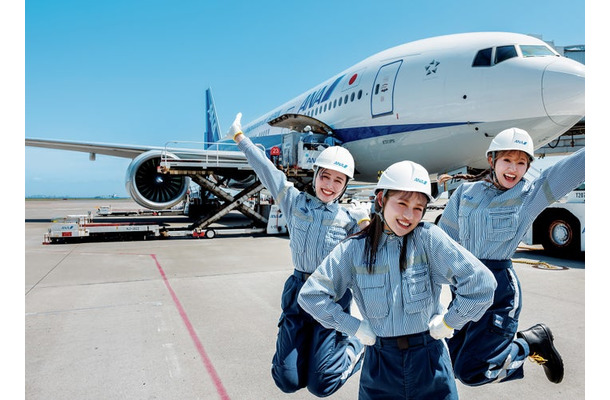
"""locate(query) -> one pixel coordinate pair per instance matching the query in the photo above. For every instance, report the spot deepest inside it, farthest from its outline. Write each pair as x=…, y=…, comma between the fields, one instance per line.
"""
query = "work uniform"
x=405, y=362
x=491, y=223
x=307, y=354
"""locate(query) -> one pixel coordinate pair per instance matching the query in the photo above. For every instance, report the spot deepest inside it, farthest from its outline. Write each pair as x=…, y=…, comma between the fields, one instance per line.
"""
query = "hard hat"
x=407, y=176
x=512, y=139
x=336, y=158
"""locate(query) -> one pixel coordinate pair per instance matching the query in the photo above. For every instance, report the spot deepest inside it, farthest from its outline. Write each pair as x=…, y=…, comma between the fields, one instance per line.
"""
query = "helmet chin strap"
x=494, y=178
x=380, y=212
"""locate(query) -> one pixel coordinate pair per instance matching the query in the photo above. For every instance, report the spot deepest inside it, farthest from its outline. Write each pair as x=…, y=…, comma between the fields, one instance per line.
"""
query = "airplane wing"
x=116, y=150
x=146, y=184
x=132, y=151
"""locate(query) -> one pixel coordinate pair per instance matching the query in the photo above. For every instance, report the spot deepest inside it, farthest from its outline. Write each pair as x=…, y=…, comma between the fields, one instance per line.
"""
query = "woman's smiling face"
x=402, y=211
x=329, y=184
x=510, y=167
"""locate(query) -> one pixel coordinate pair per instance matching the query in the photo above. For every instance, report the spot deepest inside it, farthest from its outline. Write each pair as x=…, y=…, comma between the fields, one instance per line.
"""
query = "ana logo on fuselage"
x=319, y=96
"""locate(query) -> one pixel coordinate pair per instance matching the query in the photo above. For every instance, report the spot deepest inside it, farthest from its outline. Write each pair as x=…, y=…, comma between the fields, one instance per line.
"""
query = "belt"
x=301, y=275
x=497, y=264
x=406, y=341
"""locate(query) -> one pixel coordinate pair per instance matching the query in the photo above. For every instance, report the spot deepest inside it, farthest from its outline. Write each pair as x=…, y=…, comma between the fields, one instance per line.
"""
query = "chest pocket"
x=416, y=288
x=501, y=224
x=299, y=231
x=464, y=218
x=374, y=294
x=334, y=234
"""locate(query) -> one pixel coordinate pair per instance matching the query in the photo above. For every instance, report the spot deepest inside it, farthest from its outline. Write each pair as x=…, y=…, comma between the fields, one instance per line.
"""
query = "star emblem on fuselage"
x=431, y=68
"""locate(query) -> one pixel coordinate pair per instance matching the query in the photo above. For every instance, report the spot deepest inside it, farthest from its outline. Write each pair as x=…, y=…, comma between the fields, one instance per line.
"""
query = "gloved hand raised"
x=439, y=328
x=235, y=128
x=359, y=212
x=365, y=334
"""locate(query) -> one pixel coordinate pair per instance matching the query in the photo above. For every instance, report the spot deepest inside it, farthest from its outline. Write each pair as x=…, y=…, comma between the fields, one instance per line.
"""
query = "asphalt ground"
x=197, y=318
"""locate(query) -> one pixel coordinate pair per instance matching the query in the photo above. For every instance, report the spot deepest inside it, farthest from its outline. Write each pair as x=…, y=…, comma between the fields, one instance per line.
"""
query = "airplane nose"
x=563, y=91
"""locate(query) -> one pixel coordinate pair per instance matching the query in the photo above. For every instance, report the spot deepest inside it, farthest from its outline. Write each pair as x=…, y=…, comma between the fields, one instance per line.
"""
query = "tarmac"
x=185, y=318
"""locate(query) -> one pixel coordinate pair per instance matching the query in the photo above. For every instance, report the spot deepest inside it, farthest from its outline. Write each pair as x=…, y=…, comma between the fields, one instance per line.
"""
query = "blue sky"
x=135, y=71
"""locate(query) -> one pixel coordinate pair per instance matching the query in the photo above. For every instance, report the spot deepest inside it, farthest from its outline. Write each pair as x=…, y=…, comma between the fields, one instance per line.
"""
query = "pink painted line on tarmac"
x=204, y=357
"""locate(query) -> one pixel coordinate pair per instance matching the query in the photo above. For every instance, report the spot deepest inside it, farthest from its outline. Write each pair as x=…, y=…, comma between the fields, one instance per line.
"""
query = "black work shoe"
x=540, y=339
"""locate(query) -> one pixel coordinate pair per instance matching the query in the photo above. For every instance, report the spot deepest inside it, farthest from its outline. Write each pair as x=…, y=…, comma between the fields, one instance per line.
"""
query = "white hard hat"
x=336, y=158
x=407, y=176
x=512, y=139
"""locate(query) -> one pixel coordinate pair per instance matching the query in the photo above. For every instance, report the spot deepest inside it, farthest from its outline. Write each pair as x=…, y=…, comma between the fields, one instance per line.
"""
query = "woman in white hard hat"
x=490, y=218
x=307, y=354
x=395, y=268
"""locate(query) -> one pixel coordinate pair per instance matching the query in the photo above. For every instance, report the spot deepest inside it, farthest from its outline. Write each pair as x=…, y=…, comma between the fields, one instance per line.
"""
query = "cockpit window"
x=483, y=58
x=495, y=55
x=503, y=53
x=536, y=51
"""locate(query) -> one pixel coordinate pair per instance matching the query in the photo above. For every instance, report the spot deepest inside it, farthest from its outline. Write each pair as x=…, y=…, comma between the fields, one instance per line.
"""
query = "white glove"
x=360, y=213
x=365, y=334
x=439, y=328
x=235, y=127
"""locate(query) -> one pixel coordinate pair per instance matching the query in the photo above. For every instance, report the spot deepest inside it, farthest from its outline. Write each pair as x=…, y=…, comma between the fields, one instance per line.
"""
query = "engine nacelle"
x=150, y=188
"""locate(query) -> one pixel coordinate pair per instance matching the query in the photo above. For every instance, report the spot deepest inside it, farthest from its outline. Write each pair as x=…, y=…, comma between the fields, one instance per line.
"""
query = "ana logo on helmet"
x=521, y=142
x=340, y=164
x=423, y=182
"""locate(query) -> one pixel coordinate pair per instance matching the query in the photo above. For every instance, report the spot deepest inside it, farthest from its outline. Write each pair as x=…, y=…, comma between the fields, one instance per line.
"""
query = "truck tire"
x=560, y=233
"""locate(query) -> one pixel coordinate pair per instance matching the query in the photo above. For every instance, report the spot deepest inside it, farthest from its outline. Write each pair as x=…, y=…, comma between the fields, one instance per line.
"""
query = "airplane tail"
x=212, y=127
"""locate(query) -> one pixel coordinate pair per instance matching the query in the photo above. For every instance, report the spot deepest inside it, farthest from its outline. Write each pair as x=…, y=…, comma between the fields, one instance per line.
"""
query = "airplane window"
x=345, y=101
x=335, y=103
x=340, y=99
x=325, y=107
x=352, y=96
x=359, y=94
x=503, y=53
x=377, y=89
x=483, y=58
x=536, y=51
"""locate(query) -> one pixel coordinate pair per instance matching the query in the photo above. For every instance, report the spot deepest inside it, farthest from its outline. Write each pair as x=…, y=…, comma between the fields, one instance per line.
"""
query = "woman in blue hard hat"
x=307, y=354
x=396, y=268
x=490, y=217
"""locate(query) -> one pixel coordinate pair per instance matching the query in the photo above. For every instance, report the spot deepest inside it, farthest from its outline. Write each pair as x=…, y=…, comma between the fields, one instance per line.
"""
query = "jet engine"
x=151, y=188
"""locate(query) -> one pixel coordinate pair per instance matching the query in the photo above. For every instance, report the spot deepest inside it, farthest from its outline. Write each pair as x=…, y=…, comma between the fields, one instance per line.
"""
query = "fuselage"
x=440, y=101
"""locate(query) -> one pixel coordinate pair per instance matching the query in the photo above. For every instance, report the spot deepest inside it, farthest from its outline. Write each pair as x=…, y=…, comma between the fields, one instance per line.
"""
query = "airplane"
x=437, y=101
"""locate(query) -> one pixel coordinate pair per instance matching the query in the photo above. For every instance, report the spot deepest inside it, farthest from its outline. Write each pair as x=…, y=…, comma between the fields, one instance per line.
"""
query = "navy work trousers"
x=421, y=371
x=486, y=350
x=307, y=354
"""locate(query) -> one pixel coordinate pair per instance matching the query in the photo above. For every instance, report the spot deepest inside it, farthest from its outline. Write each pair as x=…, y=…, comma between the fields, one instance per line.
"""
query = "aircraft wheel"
x=210, y=234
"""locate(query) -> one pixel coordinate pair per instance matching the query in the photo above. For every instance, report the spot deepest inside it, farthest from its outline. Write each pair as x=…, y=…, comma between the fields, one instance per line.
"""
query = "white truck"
x=560, y=228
